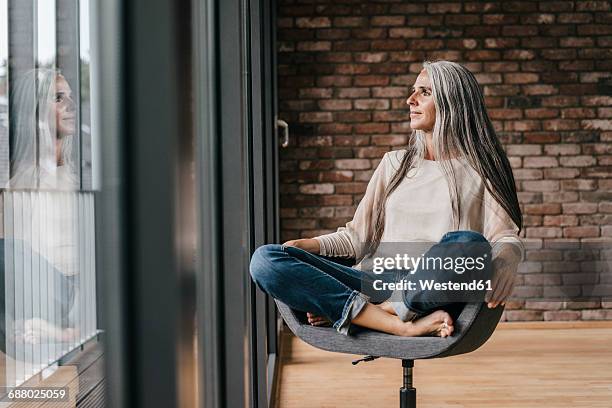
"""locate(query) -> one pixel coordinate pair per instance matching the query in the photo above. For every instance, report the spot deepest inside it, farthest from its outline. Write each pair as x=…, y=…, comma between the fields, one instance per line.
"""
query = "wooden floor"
x=523, y=365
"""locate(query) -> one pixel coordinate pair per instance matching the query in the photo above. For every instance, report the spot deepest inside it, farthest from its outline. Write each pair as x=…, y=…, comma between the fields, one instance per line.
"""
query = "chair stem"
x=407, y=392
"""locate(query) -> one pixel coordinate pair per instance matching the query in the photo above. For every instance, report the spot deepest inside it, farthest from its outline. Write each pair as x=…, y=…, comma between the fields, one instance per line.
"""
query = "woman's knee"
x=261, y=265
x=464, y=236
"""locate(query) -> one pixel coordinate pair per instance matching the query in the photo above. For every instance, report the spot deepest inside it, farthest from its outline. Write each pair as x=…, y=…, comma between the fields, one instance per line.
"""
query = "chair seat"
x=473, y=328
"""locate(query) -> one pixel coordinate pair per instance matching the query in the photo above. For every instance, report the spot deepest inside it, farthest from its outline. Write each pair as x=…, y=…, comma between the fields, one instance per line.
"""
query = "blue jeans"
x=313, y=283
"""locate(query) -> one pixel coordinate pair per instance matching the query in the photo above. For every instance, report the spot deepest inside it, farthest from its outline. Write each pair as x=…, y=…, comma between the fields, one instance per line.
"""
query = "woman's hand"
x=505, y=266
x=307, y=244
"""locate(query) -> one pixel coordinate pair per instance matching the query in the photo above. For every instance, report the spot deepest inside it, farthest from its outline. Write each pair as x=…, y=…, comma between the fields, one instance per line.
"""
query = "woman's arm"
x=350, y=240
x=507, y=249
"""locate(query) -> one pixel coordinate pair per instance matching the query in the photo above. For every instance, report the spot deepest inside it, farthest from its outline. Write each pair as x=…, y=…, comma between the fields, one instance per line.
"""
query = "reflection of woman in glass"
x=43, y=118
x=42, y=124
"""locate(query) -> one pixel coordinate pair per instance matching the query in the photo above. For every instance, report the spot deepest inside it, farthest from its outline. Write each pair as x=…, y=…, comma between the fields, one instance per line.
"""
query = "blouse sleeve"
x=499, y=228
x=350, y=240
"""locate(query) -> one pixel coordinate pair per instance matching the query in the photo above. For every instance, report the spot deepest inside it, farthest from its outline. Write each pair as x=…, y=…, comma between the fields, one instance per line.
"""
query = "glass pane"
x=48, y=276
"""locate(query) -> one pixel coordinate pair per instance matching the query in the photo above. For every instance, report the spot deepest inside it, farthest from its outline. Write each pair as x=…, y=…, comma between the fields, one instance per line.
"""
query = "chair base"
x=407, y=392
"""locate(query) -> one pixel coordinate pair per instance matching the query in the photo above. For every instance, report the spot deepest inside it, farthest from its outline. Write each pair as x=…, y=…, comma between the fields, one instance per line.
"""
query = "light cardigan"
x=420, y=210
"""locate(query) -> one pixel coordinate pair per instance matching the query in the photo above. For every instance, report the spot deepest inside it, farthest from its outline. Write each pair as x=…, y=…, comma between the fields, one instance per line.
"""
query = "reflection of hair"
x=462, y=129
x=33, y=136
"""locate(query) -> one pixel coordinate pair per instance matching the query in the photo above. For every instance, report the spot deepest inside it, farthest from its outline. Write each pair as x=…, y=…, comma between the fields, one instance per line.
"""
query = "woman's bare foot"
x=315, y=320
x=438, y=323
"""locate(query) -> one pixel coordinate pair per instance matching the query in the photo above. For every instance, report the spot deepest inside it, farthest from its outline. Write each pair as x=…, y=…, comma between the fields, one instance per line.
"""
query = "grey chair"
x=474, y=325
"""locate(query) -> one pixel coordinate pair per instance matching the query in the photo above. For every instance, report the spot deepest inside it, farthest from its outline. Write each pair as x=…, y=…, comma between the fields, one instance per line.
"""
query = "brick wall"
x=344, y=71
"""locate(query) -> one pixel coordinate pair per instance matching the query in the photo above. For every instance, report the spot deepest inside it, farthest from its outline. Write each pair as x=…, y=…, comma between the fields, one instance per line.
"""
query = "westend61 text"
x=430, y=284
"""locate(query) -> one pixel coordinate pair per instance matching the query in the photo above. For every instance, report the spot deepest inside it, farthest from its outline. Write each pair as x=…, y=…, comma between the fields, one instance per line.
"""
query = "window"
x=48, y=294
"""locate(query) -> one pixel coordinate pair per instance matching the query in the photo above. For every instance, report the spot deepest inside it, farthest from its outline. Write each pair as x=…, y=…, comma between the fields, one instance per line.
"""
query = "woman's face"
x=64, y=109
x=422, y=107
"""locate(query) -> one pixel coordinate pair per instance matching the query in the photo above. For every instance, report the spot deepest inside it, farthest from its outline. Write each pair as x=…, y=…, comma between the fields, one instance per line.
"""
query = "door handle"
x=281, y=123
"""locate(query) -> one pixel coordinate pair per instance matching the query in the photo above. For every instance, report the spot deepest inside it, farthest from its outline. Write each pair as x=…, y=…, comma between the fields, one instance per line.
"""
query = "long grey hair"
x=462, y=129
x=33, y=135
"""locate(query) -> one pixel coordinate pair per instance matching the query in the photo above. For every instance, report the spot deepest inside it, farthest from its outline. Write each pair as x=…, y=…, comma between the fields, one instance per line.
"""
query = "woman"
x=452, y=184
x=43, y=127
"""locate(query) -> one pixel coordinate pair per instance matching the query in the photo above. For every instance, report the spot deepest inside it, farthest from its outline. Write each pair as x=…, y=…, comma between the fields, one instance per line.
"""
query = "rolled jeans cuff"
x=352, y=307
x=403, y=312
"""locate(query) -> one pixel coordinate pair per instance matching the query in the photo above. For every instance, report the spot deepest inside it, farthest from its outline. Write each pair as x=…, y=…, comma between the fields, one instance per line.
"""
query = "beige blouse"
x=420, y=210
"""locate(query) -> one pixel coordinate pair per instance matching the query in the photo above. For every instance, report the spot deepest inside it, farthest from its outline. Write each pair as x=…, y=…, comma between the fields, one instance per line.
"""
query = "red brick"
x=298, y=223
x=560, y=124
x=561, y=173
x=371, y=57
x=500, y=66
x=387, y=21
x=424, y=20
x=520, y=78
x=559, y=197
x=334, y=104
x=407, y=32
x=309, y=141
x=315, y=117
x=562, y=315
x=581, y=232
x=352, y=69
x=388, y=45
x=523, y=315
x=482, y=55
x=501, y=42
x=336, y=176
x=334, y=128
x=484, y=78
x=352, y=140
x=541, y=185
x=541, y=209
x=443, y=8
x=315, y=93
x=544, y=232
x=579, y=208
x=369, y=33
x=371, y=104
x=527, y=174
x=578, y=161
x=540, y=162
x=461, y=19
x=371, y=80
x=350, y=21
x=313, y=46
x=369, y=128
x=336, y=199
x=560, y=220
x=371, y=152
x=333, y=80
x=540, y=89
x=421, y=44
x=353, y=116
x=576, y=65
x=325, y=188
x=312, y=22
x=350, y=188
x=500, y=19
x=391, y=116
x=353, y=164
x=316, y=165
x=389, y=140
x=523, y=150
x=407, y=8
